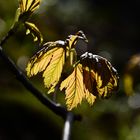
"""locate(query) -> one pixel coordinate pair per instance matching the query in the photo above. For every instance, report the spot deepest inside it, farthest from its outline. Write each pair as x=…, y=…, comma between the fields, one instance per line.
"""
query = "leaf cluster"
x=89, y=77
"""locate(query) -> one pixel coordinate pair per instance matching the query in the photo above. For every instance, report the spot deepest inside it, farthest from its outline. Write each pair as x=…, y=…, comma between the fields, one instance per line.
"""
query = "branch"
x=57, y=109
x=6, y=37
x=9, y=34
x=67, y=126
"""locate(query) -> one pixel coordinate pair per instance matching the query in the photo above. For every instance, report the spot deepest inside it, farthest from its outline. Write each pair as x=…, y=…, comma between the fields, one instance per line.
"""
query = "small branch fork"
x=69, y=117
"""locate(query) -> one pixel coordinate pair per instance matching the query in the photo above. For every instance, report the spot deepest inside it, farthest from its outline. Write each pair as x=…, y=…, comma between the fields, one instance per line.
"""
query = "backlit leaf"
x=28, y=5
x=50, y=59
x=74, y=88
x=53, y=72
x=89, y=77
x=40, y=60
x=104, y=76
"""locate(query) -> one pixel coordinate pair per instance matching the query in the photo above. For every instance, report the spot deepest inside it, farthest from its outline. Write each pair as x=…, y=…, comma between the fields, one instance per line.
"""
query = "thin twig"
x=9, y=34
x=6, y=37
x=67, y=127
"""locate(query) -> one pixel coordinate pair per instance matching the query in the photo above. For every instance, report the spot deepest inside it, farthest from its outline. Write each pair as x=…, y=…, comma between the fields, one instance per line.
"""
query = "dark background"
x=112, y=28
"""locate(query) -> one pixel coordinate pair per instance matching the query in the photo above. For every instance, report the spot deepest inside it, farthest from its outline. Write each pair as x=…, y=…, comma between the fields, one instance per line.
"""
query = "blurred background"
x=112, y=28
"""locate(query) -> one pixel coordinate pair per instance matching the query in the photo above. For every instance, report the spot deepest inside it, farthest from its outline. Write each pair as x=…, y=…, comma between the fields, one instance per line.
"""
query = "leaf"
x=89, y=85
x=53, y=71
x=28, y=5
x=50, y=59
x=104, y=76
x=40, y=60
x=71, y=43
x=90, y=97
x=34, y=31
x=74, y=88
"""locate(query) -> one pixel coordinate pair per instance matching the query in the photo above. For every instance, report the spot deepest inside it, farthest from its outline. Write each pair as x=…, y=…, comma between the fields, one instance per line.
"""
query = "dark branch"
x=9, y=34
x=67, y=127
x=59, y=110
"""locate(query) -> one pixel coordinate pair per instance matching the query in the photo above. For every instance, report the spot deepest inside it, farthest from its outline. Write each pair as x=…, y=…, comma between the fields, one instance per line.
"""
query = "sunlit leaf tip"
x=102, y=75
x=34, y=31
x=72, y=39
x=82, y=36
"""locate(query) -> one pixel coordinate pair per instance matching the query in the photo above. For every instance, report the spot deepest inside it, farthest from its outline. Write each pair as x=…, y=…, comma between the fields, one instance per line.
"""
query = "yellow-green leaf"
x=28, y=5
x=53, y=71
x=74, y=88
x=40, y=60
x=34, y=31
